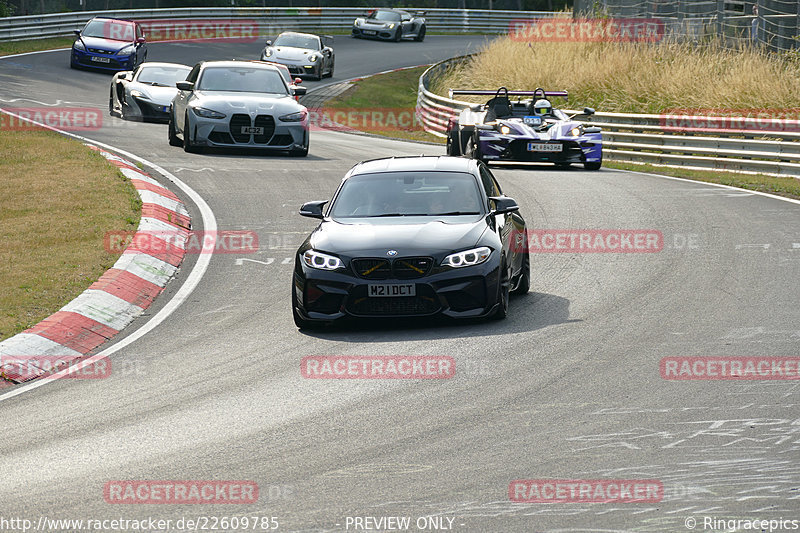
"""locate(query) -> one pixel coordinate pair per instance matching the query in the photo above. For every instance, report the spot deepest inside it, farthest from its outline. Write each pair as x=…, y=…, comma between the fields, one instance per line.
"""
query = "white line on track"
x=192, y=280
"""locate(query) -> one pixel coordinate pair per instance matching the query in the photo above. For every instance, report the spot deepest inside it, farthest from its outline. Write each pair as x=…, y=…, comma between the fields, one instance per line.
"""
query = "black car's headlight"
x=293, y=117
x=322, y=261
x=207, y=113
x=78, y=45
x=473, y=257
x=505, y=130
x=577, y=131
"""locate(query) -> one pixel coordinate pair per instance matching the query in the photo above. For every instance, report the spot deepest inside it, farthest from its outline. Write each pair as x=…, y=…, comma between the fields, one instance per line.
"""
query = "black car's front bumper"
x=468, y=292
x=374, y=33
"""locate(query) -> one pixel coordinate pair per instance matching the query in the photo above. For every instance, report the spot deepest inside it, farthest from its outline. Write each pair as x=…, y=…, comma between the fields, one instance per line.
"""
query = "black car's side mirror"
x=503, y=204
x=313, y=209
x=185, y=85
x=588, y=111
x=299, y=90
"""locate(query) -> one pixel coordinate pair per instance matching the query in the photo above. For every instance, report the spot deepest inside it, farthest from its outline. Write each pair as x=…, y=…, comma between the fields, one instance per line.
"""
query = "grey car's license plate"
x=101, y=59
x=542, y=147
x=370, y=32
x=391, y=289
x=252, y=130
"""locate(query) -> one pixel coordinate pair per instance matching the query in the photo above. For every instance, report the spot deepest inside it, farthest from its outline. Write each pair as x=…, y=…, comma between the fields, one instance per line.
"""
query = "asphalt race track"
x=568, y=387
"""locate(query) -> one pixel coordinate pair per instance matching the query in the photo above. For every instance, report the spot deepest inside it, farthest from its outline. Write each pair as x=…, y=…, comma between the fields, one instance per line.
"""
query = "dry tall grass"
x=631, y=77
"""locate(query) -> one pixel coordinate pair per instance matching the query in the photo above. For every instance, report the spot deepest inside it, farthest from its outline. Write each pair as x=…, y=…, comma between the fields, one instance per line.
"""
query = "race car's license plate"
x=252, y=130
x=391, y=289
x=532, y=120
x=370, y=32
x=101, y=59
x=542, y=147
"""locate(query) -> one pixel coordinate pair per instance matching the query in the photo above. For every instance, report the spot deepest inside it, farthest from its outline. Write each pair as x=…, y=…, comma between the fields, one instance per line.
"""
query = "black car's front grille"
x=424, y=303
x=411, y=267
x=369, y=268
x=268, y=123
x=239, y=121
x=400, y=268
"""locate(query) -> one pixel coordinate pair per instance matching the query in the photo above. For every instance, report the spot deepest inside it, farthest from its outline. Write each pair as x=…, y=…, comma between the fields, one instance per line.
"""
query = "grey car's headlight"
x=293, y=117
x=390, y=26
x=313, y=58
x=267, y=52
x=128, y=50
x=476, y=256
x=322, y=261
x=139, y=94
x=78, y=45
x=207, y=113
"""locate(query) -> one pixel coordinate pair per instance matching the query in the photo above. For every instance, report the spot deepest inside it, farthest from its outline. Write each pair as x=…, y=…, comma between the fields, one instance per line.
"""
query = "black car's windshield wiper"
x=456, y=213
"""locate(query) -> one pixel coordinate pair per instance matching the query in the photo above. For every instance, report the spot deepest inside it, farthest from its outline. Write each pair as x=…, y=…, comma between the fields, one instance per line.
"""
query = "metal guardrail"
x=648, y=138
x=270, y=20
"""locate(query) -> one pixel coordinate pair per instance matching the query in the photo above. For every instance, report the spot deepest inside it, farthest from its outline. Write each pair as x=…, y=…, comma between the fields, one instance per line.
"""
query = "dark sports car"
x=390, y=25
x=529, y=130
x=109, y=44
x=410, y=237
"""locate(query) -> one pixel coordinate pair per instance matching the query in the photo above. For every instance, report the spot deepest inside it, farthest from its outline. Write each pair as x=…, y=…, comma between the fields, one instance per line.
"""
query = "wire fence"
x=773, y=24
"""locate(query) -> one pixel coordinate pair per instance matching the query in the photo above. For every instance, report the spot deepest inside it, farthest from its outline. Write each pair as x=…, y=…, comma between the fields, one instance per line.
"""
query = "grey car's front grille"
x=268, y=123
x=238, y=122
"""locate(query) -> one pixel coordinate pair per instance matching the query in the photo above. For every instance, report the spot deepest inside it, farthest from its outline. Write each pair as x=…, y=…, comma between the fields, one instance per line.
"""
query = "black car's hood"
x=407, y=236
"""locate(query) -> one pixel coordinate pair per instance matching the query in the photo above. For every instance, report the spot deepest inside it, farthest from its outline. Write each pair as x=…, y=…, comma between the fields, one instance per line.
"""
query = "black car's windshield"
x=388, y=16
x=116, y=30
x=242, y=79
x=162, y=76
x=398, y=194
x=297, y=41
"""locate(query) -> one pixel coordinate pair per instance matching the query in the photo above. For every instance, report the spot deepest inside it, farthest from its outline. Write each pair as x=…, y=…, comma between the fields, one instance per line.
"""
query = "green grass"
x=394, y=92
x=58, y=199
x=788, y=186
x=34, y=45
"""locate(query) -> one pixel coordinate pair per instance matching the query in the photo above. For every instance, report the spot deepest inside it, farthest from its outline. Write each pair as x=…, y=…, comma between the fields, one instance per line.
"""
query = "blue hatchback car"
x=109, y=44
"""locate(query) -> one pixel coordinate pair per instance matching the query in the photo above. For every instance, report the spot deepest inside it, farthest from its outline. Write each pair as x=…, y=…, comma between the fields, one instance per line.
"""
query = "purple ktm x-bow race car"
x=529, y=130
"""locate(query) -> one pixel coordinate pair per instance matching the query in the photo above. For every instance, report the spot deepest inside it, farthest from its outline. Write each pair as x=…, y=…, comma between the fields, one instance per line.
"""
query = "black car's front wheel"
x=398, y=34
x=420, y=35
x=524, y=283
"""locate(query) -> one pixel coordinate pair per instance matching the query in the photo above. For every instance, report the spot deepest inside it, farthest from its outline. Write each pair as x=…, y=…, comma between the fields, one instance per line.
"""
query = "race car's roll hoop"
x=533, y=94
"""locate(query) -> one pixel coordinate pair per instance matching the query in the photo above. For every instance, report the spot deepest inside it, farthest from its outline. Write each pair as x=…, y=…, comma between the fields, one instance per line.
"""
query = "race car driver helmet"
x=543, y=108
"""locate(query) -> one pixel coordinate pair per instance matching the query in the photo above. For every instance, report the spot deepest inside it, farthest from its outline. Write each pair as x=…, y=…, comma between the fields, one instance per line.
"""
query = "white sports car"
x=238, y=104
x=146, y=92
x=305, y=54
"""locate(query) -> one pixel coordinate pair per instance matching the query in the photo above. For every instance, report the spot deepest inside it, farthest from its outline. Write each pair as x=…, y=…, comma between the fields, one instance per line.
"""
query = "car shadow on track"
x=530, y=312
x=238, y=153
